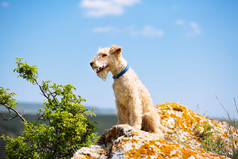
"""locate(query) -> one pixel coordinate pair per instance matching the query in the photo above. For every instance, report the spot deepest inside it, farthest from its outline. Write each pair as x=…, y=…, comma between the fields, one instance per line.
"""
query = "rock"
x=193, y=135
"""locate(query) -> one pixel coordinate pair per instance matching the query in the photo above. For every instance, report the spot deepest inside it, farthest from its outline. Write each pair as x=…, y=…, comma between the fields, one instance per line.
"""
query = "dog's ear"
x=115, y=50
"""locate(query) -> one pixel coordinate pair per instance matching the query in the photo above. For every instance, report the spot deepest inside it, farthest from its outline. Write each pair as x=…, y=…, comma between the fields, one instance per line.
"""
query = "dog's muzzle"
x=98, y=69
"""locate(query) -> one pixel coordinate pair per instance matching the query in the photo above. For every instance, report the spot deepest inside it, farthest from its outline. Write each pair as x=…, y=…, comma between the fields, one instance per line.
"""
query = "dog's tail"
x=151, y=122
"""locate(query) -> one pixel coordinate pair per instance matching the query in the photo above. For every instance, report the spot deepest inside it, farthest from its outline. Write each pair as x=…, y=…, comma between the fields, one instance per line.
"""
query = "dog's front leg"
x=135, y=106
x=122, y=114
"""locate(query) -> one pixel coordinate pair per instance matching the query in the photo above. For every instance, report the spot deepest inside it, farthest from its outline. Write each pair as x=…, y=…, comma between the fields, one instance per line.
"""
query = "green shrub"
x=62, y=126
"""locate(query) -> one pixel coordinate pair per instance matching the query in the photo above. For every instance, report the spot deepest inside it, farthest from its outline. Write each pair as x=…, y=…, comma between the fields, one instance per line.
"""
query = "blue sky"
x=183, y=51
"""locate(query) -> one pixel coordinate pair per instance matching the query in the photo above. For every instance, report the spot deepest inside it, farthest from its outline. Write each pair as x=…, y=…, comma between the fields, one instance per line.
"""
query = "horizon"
x=182, y=51
x=21, y=108
x=26, y=108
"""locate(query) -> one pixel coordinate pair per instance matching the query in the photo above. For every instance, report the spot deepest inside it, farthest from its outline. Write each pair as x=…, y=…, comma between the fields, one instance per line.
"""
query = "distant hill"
x=32, y=108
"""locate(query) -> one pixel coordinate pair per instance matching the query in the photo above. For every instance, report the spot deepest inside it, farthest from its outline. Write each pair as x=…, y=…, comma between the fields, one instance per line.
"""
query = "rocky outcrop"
x=195, y=136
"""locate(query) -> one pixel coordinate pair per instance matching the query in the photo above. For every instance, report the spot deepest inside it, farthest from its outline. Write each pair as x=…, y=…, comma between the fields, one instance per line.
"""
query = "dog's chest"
x=125, y=87
x=121, y=91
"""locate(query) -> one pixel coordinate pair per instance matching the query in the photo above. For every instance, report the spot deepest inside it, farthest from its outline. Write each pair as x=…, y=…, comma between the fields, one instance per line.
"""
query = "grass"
x=233, y=122
x=208, y=143
x=214, y=143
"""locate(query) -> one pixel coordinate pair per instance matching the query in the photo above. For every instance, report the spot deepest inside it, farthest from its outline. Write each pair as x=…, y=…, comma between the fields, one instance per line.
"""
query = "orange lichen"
x=189, y=124
x=144, y=150
x=166, y=150
x=188, y=128
x=135, y=133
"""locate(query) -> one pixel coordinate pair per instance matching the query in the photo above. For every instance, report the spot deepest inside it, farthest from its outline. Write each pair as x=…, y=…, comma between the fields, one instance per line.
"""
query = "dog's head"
x=105, y=60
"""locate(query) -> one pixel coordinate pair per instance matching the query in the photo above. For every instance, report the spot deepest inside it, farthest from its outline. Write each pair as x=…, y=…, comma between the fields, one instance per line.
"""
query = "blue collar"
x=122, y=73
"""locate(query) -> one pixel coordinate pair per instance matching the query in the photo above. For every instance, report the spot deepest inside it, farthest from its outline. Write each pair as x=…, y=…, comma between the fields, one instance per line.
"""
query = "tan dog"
x=133, y=101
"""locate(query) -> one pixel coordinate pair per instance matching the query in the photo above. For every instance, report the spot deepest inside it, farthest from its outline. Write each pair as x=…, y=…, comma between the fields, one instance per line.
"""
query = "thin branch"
x=223, y=108
x=235, y=105
x=7, y=119
x=9, y=111
x=229, y=126
x=43, y=92
x=40, y=116
x=15, y=111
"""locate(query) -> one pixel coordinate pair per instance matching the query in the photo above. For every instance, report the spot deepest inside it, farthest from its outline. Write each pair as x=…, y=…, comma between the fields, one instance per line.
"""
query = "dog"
x=133, y=101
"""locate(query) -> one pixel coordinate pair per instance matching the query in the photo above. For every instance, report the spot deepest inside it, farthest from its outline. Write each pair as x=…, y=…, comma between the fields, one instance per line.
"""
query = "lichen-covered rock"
x=191, y=128
x=187, y=142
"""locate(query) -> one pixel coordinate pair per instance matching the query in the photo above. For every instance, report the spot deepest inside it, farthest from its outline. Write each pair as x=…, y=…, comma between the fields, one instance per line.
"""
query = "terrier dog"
x=133, y=101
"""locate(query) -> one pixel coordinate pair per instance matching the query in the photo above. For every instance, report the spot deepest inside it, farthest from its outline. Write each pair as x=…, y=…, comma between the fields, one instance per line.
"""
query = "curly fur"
x=133, y=101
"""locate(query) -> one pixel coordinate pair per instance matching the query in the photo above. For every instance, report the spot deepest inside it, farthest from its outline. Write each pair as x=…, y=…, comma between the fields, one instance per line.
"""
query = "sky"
x=183, y=51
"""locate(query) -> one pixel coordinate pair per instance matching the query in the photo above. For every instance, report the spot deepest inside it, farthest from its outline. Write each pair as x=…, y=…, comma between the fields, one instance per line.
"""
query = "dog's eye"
x=104, y=55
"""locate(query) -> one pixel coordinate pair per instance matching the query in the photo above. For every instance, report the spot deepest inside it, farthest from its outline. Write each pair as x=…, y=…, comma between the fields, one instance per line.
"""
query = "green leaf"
x=63, y=126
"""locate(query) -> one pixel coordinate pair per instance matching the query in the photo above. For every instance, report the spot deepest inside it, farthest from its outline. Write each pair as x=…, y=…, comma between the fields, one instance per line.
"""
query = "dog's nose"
x=91, y=63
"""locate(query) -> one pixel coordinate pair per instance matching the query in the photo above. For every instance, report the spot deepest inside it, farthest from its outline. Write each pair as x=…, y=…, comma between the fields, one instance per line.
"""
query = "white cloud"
x=127, y=2
x=148, y=31
x=99, y=8
x=179, y=22
x=4, y=4
x=196, y=30
x=103, y=29
x=192, y=28
x=195, y=27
